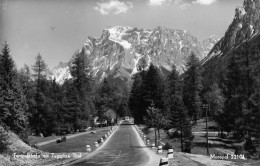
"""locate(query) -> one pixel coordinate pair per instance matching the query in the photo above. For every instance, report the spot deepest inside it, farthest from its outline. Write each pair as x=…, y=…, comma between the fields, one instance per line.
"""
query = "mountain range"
x=117, y=52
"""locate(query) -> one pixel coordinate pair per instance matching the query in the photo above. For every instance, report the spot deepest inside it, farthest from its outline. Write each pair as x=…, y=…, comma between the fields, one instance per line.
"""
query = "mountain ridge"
x=118, y=50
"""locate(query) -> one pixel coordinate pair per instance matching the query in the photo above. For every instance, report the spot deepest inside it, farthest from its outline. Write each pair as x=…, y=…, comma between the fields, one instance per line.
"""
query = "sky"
x=26, y=24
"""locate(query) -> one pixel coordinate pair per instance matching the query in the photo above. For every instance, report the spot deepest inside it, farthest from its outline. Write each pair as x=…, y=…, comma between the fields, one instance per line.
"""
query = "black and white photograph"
x=129, y=82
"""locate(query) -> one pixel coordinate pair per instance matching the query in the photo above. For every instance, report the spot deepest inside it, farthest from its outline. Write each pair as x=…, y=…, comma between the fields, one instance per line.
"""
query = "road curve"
x=122, y=149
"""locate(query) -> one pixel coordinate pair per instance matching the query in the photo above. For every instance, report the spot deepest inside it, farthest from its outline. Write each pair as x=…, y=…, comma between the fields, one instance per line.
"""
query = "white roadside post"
x=164, y=162
x=170, y=153
x=159, y=150
x=88, y=149
x=153, y=146
x=96, y=144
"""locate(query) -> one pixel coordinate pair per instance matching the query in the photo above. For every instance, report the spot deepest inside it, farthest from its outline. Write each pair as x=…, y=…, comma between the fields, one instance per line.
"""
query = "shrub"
x=173, y=134
x=35, y=146
x=146, y=130
x=3, y=141
x=63, y=139
x=249, y=146
x=176, y=133
x=187, y=146
x=239, y=150
x=104, y=137
x=58, y=141
x=167, y=146
x=99, y=141
x=24, y=136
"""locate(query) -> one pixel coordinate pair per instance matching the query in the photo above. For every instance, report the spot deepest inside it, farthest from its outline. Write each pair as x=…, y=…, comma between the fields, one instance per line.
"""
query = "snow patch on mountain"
x=111, y=67
x=61, y=74
x=118, y=31
x=124, y=43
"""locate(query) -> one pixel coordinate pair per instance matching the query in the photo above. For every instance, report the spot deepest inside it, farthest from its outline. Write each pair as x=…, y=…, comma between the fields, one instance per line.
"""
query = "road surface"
x=122, y=149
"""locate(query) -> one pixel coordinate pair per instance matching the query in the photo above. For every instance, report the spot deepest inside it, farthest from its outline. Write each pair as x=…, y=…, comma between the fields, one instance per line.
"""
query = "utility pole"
x=207, y=107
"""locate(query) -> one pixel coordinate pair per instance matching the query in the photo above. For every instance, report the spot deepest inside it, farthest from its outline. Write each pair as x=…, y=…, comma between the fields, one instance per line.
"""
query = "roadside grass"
x=201, y=125
x=37, y=139
x=76, y=144
x=218, y=145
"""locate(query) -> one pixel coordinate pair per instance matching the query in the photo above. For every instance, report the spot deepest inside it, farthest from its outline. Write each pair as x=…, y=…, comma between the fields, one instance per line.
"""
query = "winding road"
x=121, y=149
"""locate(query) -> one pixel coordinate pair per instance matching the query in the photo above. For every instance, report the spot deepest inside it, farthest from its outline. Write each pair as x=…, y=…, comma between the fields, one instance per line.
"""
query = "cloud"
x=113, y=6
x=158, y=2
x=182, y=4
x=204, y=2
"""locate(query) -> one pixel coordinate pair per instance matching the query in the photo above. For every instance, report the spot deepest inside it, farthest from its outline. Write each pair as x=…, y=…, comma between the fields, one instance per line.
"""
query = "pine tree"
x=248, y=60
x=104, y=100
x=192, y=87
x=39, y=75
x=53, y=111
x=176, y=110
x=232, y=106
x=136, y=97
x=25, y=81
x=71, y=108
x=147, y=87
x=123, y=109
x=80, y=71
x=38, y=120
x=255, y=123
x=13, y=105
x=215, y=98
x=8, y=71
x=83, y=81
x=238, y=89
x=135, y=102
x=153, y=88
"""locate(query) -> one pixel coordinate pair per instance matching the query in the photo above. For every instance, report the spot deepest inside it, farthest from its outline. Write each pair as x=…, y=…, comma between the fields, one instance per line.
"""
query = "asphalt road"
x=122, y=149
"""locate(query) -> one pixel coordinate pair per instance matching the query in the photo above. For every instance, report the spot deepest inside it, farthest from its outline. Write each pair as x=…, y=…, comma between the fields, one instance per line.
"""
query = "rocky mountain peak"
x=239, y=13
x=245, y=26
